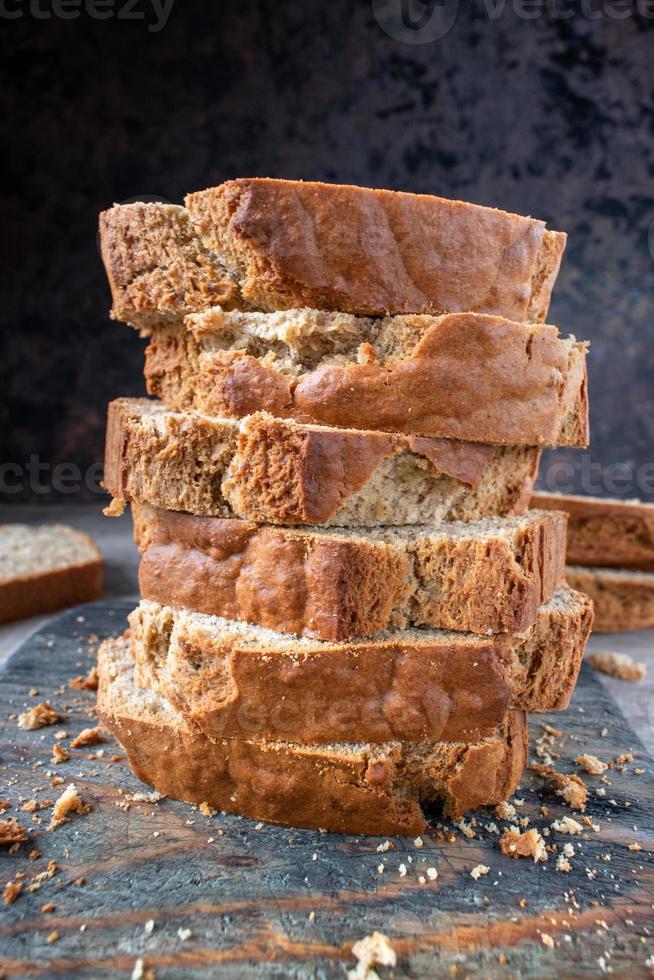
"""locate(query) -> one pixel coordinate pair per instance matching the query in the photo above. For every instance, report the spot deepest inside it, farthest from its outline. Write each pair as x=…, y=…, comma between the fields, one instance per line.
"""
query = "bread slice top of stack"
x=458, y=376
x=281, y=472
x=279, y=244
x=610, y=554
x=350, y=788
x=486, y=576
x=46, y=567
x=234, y=678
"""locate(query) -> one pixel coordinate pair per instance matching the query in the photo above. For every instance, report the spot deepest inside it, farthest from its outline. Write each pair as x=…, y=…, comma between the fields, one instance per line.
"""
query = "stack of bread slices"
x=347, y=606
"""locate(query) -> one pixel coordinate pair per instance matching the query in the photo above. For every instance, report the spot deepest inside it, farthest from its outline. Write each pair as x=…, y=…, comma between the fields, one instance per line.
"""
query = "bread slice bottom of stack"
x=610, y=554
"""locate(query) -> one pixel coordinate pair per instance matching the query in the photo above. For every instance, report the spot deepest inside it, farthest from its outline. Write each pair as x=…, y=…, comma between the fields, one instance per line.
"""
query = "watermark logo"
x=416, y=21
x=153, y=14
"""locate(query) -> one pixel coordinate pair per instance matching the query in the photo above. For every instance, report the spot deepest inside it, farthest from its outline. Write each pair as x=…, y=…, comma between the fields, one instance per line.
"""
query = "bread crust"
x=605, y=532
x=408, y=685
x=278, y=244
x=333, y=587
x=623, y=600
x=277, y=471
x=49, y=591
x=469, y=376
x=355, y=789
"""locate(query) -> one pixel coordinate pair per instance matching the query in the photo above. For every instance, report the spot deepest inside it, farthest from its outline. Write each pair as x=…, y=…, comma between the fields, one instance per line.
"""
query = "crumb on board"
x=505, y=811
x=529, y=843
x=592, y=765
x=11, y=892
x=571, y=788
x=12, y=832
x=38, y=717
x=566, y=825
x=619, y=665
x=59, y=753
x=370, y=951
x=69, y=802
x=82, y=683
x=88, y=736
x=479, y=870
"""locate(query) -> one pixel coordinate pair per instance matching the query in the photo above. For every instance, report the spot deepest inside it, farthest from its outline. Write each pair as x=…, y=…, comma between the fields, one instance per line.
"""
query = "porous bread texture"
x=238, y=680
x=353, y=788
x=278, y=244
x=281, y=472
x=623, y=599
x=487, y=576
x=461, y=375
x=605, y=532
x=46, y=567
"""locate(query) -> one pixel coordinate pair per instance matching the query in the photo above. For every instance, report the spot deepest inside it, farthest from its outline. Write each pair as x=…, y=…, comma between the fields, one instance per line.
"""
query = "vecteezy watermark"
x=153, y=13
x=425, y=21
x=583, y=474
x=35, y=476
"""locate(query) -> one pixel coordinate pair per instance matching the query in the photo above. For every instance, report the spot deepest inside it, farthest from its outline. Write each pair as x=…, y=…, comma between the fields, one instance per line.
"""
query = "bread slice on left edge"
x=346, y=787
x=46, y=567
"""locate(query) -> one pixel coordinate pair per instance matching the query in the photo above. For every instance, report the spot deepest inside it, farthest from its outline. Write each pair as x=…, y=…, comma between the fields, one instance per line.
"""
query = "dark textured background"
x=545, y=116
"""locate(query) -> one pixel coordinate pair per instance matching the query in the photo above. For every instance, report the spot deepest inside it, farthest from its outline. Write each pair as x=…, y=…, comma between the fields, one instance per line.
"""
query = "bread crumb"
x=184, y=933
x=619, y=665
x=88, y=683
x=115, y=509
x=570, y=788
x=69, y=802
x=53, y=937
x=417, y=842
x=592, y=764
x=12, y=832
x=11, y=892
x=635, y=847
x=529, y=843
x=48, y=907
x=88, y=736
x=562, y=864
x=59, y=753
x=505, y=811
x=207, y=810
x=567, y=826
x=38, y=717
x=385, y=846
x=479, y=870
x=569, y=849
x=547, y=940
x=432, y=874
x=369, y=951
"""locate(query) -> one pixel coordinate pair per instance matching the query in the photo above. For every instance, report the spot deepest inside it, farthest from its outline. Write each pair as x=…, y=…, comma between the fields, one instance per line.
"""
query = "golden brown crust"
x=474, y=377
x=356, y=789
x=623, y=600
x=333, y=587
x=605, y=532
x=364, y=251
x=407, y=685
x=49, y=591
x=280, y=472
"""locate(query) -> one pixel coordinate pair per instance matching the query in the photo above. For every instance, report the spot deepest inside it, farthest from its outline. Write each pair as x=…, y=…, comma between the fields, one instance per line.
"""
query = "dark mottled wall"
x=546, y=115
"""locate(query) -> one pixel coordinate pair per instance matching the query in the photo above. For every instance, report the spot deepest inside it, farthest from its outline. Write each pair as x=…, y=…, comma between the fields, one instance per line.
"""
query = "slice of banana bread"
x=278, y=244
x=280, y=472
x=234, y=679
x=458, y=376
x=485, y=576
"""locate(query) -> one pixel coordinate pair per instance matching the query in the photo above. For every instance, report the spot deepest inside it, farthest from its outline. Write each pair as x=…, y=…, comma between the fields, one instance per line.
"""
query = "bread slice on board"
x=485, y=576
x=353, y=788
x=46, y=567
x=605, y=532
x=236, y=680
x=278, y=244
x=623, y=599
x=459, y=376
x=281, y=472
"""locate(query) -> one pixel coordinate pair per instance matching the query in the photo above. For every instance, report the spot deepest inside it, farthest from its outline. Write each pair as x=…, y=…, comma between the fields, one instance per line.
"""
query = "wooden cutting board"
x=195, y=896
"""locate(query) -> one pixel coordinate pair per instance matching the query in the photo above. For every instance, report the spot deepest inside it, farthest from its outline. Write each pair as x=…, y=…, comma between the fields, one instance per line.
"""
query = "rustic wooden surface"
x=262, y=901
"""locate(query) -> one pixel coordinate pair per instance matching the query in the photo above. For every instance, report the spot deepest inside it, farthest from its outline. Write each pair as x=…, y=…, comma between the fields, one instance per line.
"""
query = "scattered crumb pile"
x=370, y=951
